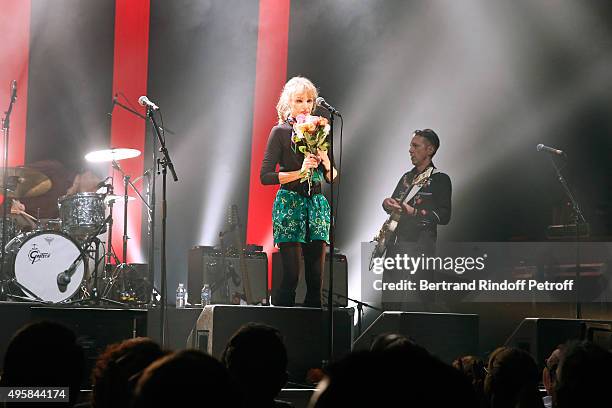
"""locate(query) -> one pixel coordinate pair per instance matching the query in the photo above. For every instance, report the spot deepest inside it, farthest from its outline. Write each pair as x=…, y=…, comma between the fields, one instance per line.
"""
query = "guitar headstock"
x=233, y=219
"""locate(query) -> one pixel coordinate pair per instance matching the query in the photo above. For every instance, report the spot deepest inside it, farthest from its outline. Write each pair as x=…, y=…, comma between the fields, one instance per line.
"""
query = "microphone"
x=322, y=103
x=63, y=279
x=103, y=183
x=144, y=101
x=550, y=150
x=14, y=89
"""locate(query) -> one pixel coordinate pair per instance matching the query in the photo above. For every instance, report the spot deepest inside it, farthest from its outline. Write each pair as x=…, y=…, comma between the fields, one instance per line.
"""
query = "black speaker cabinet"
x=304, y=331
x=445, y=335
x=95, y=328
x=205, y=265
x=340, y=279
x=540, y=336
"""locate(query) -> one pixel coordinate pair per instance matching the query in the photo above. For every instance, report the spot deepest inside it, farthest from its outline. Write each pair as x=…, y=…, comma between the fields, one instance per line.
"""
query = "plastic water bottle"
x=181, y=294
x=205, y=295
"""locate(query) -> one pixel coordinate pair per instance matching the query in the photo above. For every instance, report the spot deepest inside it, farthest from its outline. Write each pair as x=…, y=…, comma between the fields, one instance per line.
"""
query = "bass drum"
x=38, y=259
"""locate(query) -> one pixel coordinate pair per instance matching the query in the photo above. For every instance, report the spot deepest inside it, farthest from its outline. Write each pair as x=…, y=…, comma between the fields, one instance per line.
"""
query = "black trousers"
x=291, y=256
x=425, y=245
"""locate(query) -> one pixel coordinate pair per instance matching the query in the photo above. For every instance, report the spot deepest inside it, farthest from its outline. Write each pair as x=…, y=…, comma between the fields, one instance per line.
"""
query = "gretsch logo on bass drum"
x=36, y=255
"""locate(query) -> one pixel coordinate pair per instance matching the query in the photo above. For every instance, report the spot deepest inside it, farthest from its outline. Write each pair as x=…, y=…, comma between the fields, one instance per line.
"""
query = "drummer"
x=64, y=182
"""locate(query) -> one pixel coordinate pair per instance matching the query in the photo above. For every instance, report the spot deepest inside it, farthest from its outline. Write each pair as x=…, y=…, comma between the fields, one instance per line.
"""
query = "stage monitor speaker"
x=205, y=265
x=340, y=279
x=304, y=331
x=95, y=328
x=540, y=336
x=445, y=335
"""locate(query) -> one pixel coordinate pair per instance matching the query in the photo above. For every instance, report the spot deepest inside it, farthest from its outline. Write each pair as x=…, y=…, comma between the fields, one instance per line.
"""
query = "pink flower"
x=301, y=118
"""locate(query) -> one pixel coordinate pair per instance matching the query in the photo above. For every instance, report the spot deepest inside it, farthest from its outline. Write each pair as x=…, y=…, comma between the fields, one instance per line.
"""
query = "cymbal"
x=117, y=198
x=109, y=155
x=23, y=182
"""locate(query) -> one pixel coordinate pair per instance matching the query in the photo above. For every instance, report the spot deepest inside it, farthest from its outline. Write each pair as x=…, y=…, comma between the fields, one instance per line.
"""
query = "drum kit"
x=59, y=260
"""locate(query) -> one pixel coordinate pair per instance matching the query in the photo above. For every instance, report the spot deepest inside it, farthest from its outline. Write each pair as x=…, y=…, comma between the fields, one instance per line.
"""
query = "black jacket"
x=433, y=202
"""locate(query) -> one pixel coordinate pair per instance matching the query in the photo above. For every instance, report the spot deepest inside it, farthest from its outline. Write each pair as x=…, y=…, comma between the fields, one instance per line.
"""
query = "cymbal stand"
x=110, y=251
x=120, y=267
x=4, y=280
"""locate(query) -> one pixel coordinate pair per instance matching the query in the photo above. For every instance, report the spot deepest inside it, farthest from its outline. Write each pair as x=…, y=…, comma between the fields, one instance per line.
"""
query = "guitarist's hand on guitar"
x=391, y=204
x=409, y=210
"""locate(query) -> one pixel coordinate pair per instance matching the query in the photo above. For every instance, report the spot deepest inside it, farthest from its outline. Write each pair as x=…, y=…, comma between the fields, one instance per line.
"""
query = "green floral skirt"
x=296, y=218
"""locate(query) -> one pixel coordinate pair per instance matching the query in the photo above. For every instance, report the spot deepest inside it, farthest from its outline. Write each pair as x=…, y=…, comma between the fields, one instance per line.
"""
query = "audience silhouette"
x=44, y=354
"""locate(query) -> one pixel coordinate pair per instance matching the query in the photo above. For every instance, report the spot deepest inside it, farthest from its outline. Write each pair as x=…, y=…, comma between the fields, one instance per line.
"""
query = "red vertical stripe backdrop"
x=127, y=130
x=270, y=76
x=14, y=57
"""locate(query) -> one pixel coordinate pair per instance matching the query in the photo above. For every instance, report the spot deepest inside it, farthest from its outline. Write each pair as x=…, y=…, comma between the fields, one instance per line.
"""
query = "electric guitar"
x=236, y=226
x=387, y=233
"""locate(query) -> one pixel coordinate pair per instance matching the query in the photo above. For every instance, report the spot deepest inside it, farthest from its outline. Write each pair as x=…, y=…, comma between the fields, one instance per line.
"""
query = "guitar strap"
x=419, y=182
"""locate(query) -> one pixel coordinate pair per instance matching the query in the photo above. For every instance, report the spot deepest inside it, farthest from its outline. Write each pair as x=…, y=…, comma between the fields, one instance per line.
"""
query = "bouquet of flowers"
x=310, y=136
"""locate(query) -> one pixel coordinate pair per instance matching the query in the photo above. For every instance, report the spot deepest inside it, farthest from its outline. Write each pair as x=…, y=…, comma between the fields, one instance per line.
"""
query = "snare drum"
x=39, y=258
x=82, y=214
x=49, y=224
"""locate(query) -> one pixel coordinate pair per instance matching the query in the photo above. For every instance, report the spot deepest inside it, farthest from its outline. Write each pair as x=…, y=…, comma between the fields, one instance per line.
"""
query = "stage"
x=447, y=335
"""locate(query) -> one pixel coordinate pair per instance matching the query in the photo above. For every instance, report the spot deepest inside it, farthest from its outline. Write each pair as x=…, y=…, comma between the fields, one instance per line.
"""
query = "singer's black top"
x=280, y=151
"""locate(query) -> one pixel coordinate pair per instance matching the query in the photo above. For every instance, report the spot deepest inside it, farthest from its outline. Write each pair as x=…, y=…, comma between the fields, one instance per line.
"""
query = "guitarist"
x=431, y=205
x=427, y=203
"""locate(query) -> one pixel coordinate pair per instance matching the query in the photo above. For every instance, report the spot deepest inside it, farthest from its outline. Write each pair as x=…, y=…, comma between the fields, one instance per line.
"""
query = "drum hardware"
x=64, y=278
x=110, y=252
x=121, y=268
x=111, y=155
x=134, y=287
x=110, y=255
x=5, y=292
x=116, y=199
x=36, y=257
x=48, y=224
x=4, y=279
x=98, y=296
x=114, y=272
x=81, y=214
x=24, y=182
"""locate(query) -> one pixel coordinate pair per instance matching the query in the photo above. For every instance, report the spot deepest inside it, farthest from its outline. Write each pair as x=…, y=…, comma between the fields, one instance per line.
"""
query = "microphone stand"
x=165, y=163
x=5, y=128
x=578, y=220
x=330, y=299
x=127, y=108
x=359, y=307
x=151, y=184
x=150, y=203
